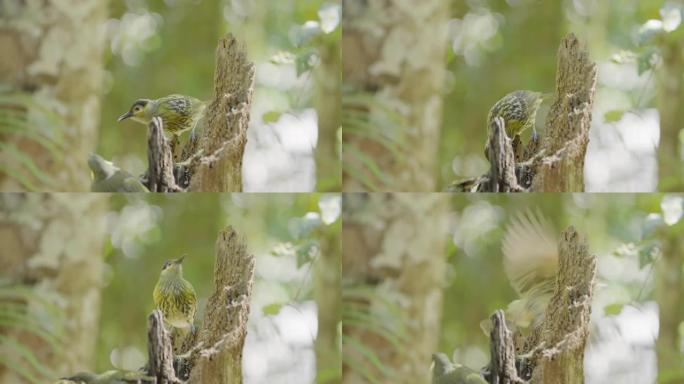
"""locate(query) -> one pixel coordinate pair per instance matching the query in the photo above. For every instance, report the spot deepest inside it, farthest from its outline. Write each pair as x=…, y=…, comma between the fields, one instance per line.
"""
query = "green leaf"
x=613, y=116
x=647, y=254
x=613, y=309
x=307, y=252
x=646, y=60
x=305, y=61
x=272, y=309
x=271, y=116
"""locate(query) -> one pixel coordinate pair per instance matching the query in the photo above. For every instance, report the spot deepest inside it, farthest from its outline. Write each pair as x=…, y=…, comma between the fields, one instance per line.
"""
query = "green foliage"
x=25, y=123
x=370, y=123
x=367, y=311
x=22, y=310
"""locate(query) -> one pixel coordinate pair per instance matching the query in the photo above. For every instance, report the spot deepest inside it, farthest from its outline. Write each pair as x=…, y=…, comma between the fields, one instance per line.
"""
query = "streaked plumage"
x=179, y=113
x=109, y=178
x=446, y=372
x=518, y=109
x=174, y=296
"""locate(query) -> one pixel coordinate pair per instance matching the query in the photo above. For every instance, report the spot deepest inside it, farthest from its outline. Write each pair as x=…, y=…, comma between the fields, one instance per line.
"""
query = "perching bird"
x=107, y=177
x=174, y=296
x=519, y=111
x=109, y=377
x=446, y=372
x=530, y=253
x=179, y=113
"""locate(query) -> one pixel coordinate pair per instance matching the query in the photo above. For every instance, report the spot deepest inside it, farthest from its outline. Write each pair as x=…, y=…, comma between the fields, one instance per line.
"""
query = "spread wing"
x=530, y=251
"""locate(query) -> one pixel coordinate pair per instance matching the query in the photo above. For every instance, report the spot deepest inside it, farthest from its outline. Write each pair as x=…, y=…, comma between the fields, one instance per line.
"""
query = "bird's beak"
x=180, y=259
x=125, y=116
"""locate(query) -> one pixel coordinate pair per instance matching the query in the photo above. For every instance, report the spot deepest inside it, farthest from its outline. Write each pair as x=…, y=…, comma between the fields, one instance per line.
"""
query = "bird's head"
x=173, y=267
x=99, y=167
x=140, y=111
x=440, y=364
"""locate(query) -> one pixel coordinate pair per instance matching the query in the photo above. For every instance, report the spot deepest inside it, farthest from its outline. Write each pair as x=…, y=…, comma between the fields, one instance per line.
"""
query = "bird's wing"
x=132, y=184
x=530, y=251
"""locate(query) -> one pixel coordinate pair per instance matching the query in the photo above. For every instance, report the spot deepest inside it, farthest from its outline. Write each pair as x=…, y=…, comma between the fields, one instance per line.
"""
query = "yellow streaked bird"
x=175, y=297
x=179, y=113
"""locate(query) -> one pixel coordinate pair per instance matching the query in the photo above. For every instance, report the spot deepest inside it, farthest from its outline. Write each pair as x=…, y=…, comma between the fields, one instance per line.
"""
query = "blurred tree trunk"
x=328, y=77
x=52, y=243
x=329, y=303
x=670, y=102
x=396, y=244
x=397, y=51
x=54, y=51
x=669, y=288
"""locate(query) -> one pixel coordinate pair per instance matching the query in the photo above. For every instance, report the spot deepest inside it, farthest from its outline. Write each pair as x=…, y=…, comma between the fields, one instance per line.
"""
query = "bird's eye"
x=136, y=108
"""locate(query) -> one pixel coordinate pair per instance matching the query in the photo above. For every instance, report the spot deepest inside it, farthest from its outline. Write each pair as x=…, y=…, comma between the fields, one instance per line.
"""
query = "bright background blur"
x=499, y=46
x=161, y=47
x=282, y=231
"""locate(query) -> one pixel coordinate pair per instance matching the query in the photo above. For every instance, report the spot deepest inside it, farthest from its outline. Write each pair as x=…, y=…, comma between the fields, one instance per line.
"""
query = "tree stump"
x=558, y=166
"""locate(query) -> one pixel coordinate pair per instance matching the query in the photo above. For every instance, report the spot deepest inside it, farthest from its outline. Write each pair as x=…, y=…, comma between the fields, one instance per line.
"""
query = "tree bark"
x=52, y=245
x=328, y=279
x=397, y=51
x=328, y=77
x=214, y=160
x=670, y=101
x=392, y=242
x=213, y=353
x=160, y=171
x=58, y=60
x=669, y=286
x=558, y=166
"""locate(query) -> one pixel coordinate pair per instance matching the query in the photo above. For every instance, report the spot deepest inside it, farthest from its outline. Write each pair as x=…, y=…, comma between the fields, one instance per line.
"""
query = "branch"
x=159, y=350
x=502, y=176
x=558, y=166
x=214, y=159
x=502, y=368
x=160, y=177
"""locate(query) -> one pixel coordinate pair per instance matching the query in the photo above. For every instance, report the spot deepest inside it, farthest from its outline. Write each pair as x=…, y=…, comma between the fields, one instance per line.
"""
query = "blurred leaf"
x=331, y=207
x=623, y=57
x=671, y=15
x=613, y=116
x=652, y=222
x=307, y=252
x=271, y=116
x=301, y=227
x=369, y=354
x=673, y=208
x=613, y=309
x=283, y=57
x=330, y=15
x=649, y=29
x=302, y=34
x=305, y=61
x=272, y=309
x=646, y=60
x=647, y=254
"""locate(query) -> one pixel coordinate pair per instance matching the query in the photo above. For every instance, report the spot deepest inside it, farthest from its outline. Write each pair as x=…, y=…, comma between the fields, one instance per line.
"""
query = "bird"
x=179, y=113
x=446, y=372
x=518, y=110
x=175, y=297
x=108, y=377
x=530, y=258
x=107, y=177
